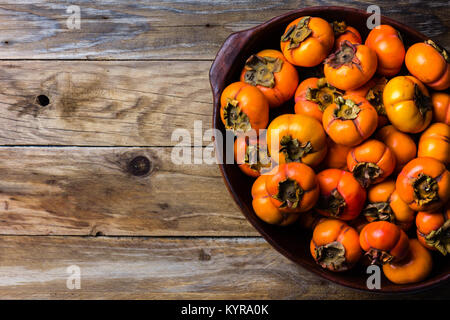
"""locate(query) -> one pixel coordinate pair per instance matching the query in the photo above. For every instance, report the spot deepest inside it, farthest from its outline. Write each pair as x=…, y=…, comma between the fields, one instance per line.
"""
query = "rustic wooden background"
x=118, y=87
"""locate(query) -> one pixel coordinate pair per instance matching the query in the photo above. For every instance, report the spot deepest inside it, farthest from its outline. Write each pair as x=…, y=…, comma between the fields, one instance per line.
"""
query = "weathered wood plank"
x=37, y=29
x=102, y=103
x=155, y=268
x=91, y=191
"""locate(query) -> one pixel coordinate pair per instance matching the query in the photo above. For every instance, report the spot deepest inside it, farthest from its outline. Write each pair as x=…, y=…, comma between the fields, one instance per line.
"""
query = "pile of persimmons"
x=363, y=160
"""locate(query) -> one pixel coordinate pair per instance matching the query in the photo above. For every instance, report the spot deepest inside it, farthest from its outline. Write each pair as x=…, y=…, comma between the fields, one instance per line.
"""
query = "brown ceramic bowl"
x=292, y=241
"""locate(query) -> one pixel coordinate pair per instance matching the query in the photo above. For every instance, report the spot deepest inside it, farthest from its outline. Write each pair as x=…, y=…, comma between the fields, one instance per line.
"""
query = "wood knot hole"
x=139, y=166
x=42, y=100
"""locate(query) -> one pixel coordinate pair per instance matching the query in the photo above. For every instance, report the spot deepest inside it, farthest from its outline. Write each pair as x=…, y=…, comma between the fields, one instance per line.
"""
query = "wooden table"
x=118, y=87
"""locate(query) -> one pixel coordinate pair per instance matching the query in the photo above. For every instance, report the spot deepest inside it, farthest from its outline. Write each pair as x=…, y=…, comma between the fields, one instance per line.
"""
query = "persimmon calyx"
x=289, y=193
x=294, y=150
x=379, y=211
x=297, y=34
x=339, y=28
x=422, y=101
x=375, y=97
x=235, y=118
x=346, y=55
x=334, y=203
x=323, y=95
x=260, y=70
x=440, y=238
x=366, y=173
x=332, y=256
x=441, y=51
x=378, y=256
x=425, y=189
x=347, y=109
x=256, y=158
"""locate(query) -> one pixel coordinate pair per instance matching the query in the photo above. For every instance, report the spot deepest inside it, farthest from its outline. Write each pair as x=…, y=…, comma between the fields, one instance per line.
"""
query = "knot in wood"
x=139, y=166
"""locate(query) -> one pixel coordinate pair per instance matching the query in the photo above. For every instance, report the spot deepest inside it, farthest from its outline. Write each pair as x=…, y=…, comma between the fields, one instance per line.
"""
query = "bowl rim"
x=401, y=289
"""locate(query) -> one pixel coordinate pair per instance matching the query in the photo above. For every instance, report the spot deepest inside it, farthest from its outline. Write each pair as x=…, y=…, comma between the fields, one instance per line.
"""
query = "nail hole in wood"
x=42, y=100
x=139, y=166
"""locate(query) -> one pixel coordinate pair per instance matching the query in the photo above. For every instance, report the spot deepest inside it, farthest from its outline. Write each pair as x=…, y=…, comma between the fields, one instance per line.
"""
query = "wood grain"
x=168, y=29
x=156, y=268
x=91, y=191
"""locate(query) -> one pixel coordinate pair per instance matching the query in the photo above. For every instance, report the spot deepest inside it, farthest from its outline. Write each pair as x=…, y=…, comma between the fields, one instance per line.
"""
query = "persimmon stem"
x=297, y=34
x=289, y=193
x=346, y=55
x=235, y=118
x=333, y=203
x=379, y=257
x=332, y=256
x=379, y=211
x=323, y=95
x=347, y=109
x=440, y=238
x=425, y=189
x=294, y=150
x=366, y=173
x=260, y=70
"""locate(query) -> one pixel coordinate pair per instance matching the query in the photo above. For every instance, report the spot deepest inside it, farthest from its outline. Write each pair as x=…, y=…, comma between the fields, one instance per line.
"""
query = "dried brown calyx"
x=375, y=97
x=289, y=193
x=440, y=238
x=339, y=28
x=333, y=203
x=294, y=150
x=379, y=257
x=235, y=118
x=366, y=173
x=332, y=256
x=260, y=70
x=422, y=101
x=425, y=189
x=379, y=211
x=346, y=55
x=257, y=157
x=323, y=95
x=347, y=109
x=296, y=34
x=442, y=51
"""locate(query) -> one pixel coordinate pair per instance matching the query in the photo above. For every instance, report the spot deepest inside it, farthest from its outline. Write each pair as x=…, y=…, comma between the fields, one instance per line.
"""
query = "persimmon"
x=371, y=162
x=293, y=187
x=408, y=104
x=342, y=32
x=350, y=120
x=341, y=196
x=401, y=144
x=435, y=143
x=430, y=64
x=265, y=209
x=335, y=245
x=307, y=41
x=415, y=267
x=243, y=107
x=384, y=204
x=250, y=153
x=296, y=138
x=271, y=73
x=336, y=155
x=433, y=230
x=373, y=92
x=388, y=45
x=441, y=107
x=313, y=96
x=384, y=242
x=351, y=66
x=424, y=184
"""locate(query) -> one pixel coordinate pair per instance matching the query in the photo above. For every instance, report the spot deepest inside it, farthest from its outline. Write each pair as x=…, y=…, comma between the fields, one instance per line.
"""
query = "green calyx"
x=379, y=211
x=332, y=256
x=323, y=95
x=297, y=34
x=347, y=109
x=289, y=193
x=260, y=70
x=425, y=189
x=333, y=203
x=346, y=55
x=440, y=238
x=235, y=118
x=294, y=150
x=366, y=173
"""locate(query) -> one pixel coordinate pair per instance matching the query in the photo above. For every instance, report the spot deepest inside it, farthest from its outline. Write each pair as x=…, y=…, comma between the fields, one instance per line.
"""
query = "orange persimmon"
x=388, y=45
x=271, y=73
x=384, y=242
x=342, y=32
x=336, y=155
x=430, y=64
x=250, y=153
x=408, y=104
x=313, y=96
x=433, y=230
x=441, y=107
x=307, y=41
x=351, y=66
x=424, y=184
x=435, y=143
x=350, y=120
x=243, y=107
x=296, y=138
x=415, y=267
x=371, y=162
x=335, y=245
